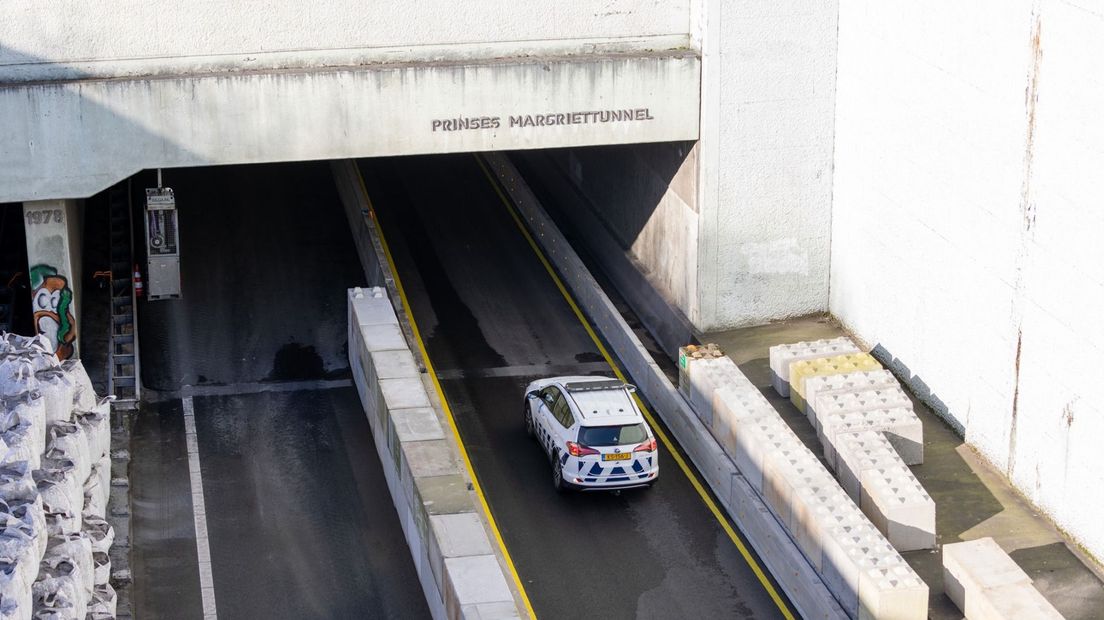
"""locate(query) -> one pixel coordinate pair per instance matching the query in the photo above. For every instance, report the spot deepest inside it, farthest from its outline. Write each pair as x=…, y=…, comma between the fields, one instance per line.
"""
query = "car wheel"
x=557, y=474
x=529, y=420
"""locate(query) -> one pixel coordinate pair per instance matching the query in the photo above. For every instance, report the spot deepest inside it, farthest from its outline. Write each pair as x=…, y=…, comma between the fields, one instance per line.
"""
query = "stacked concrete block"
x=985, y=583
x=802, y=371
x=755, y=441
x=702, y=375
x=874, y=475
x=868, y=576
x=847, y=382
x=735, y=407
x=901, y=426
x=784, y=355
x=786, y=470
x=54, y=485
x=832, y=409
x=899, y=507
x=457, y=565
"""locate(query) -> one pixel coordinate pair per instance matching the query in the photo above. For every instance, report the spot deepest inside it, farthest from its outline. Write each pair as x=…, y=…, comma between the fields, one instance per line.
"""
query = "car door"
x=544, y=419
x=563, y=421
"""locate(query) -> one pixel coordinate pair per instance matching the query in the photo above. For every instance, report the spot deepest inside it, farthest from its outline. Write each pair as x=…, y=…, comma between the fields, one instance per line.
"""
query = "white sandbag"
x=101, y=567
x=95, y=498
x=21, y=444
x=62, y=498
x=58, y=391
x=66, y=441
x=84, y=395
x=97, y=430
x=104, y=603
x=28, y=408
x=58, y=594
x=17, y=547
x=15, y=592
x=16, y=375
x=76, y=549
x=30, y=516
x=99, y=532
x=17, y=482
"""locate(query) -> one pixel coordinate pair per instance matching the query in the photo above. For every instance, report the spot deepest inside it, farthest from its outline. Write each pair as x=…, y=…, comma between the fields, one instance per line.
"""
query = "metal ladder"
x=122, y=377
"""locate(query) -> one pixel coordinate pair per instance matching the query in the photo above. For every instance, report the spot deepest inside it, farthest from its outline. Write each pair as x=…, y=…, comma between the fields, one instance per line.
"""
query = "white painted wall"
x=765, y=178
x=967, y=225
x=105, y=37
x=72, y=140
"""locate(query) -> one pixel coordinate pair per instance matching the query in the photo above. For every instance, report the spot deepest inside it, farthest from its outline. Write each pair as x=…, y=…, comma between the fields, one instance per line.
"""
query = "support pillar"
x=53, y=229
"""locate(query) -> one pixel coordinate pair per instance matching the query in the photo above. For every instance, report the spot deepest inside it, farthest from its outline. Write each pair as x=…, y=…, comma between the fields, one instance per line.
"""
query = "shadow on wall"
x=633, y=216
x=26, y=102
x=918, y=386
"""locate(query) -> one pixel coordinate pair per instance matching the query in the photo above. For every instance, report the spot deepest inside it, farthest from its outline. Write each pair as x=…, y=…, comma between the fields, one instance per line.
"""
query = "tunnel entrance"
x=266, y=256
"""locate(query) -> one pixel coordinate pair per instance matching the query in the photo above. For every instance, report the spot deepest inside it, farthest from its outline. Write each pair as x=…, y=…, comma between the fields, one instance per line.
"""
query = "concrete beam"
x=53, y=229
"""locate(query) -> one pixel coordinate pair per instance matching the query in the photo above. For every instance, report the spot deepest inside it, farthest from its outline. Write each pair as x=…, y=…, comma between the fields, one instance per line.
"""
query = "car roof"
x=600, y=401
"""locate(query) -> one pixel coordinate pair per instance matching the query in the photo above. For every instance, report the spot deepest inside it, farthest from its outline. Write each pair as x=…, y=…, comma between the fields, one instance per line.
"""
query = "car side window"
x=562, y=412
x=548, y=395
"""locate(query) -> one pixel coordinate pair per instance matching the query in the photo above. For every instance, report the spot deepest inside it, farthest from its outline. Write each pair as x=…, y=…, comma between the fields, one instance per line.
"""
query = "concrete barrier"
x=815, y=386
x=901, y=425
x=987, y=584
x=782, y=557
x=783, y=355
x=801, y=371
x=459, y=570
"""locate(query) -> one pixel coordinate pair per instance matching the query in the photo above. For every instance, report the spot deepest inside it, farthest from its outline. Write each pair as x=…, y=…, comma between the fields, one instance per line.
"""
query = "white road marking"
x=199, y=512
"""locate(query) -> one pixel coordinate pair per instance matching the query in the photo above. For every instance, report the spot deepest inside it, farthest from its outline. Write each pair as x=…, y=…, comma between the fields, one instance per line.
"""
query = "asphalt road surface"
x=298, y=514
x=493, y=320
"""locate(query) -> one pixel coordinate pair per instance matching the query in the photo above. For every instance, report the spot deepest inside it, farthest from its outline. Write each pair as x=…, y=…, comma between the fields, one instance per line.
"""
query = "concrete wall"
x=765, y=184
x=634, y=210
x=53, y=229
x=966, y=226
x=104, y=38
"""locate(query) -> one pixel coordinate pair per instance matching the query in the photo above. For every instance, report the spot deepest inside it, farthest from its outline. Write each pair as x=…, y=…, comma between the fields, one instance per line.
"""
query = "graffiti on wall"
x=52, y=302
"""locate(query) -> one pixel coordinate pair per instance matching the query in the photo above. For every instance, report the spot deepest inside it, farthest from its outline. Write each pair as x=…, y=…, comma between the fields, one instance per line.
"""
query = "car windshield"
x=597, y=436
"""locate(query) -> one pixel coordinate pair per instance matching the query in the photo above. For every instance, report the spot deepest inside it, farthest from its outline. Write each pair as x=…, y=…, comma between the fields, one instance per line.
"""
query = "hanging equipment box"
x=162, y=244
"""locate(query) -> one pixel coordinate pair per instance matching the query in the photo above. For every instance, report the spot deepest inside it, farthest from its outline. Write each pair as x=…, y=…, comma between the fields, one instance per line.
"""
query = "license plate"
x=616, y=457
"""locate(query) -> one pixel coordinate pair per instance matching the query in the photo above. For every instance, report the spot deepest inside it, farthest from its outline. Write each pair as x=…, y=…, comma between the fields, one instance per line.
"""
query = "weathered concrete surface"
x=966, y=227
x=765, y=178
x=120, y=126
x=54, y=229
x=973, y=500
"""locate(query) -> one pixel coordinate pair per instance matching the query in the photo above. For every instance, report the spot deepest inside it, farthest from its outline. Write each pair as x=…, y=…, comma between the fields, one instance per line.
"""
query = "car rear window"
x=596, y=436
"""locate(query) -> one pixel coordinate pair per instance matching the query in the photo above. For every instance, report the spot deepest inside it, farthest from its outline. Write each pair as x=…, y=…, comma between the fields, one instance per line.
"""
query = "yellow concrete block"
x=838, y=365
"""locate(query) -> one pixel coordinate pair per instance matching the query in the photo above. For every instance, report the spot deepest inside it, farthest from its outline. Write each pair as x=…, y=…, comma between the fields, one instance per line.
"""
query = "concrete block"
x=474, y=580
x=852, y=381
x=801, y=371
x=708, y=374
x=1012, y=602
x=394, y=364
x=783, y=355
x=901, y=426
x=383, y=338
x=460, y=534
x=816, y=509
x=859, y=452
x=444, y=494
x=735, y=405
x=403, y=394
x=429, y=458
x=846, y=546
x=757, y=438
x=892, y=593
x=489, y=611
x=786, y=469
x=371, y=306
x=973, y=566
x=899, y=507
x=419, y=424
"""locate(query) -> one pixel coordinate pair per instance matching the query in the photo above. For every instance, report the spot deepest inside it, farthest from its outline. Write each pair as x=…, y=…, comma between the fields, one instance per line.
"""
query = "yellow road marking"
x=444, y=402
x=647, y=414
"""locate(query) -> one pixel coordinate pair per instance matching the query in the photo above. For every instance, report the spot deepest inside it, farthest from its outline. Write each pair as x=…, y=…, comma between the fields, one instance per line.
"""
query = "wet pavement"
x=493, y=320
x=298, y=514
x=973, y=500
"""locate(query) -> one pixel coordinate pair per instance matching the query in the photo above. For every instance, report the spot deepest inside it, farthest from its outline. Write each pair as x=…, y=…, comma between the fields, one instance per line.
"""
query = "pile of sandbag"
x=55, y=478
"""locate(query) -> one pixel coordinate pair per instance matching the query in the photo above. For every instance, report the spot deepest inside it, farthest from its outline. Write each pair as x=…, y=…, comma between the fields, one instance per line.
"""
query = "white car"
x=592, y=432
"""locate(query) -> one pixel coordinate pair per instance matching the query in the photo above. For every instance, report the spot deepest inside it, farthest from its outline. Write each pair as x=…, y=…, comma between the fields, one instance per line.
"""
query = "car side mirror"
x=631, y=388
x=531, y=395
